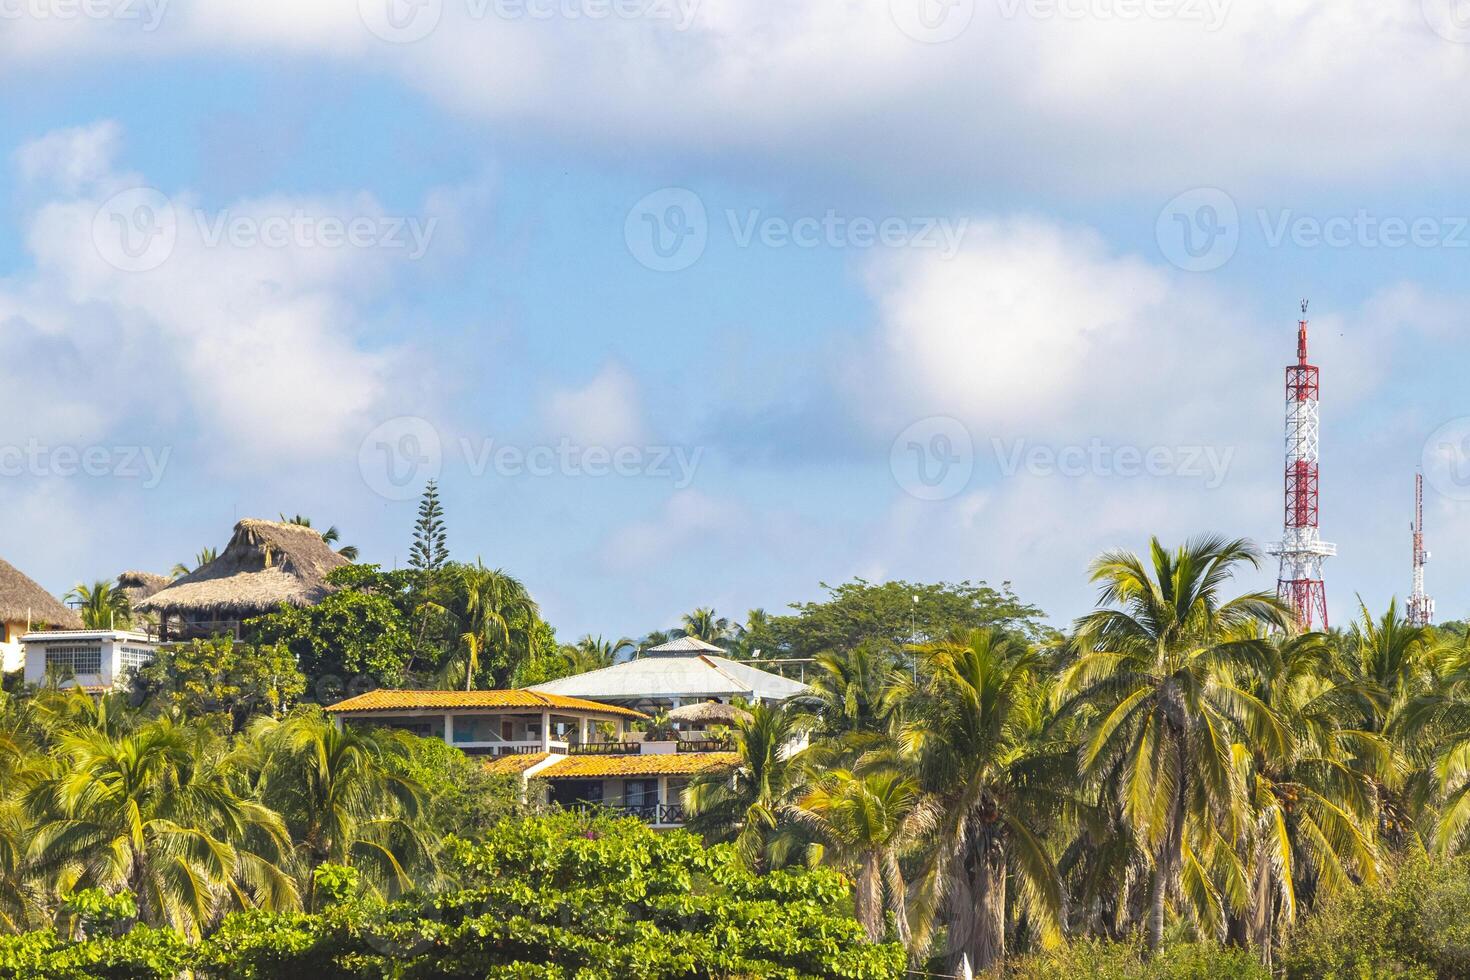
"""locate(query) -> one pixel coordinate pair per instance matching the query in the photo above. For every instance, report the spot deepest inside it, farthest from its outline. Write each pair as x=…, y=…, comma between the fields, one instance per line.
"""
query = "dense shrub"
x=1414, y=923
x=1125, y=961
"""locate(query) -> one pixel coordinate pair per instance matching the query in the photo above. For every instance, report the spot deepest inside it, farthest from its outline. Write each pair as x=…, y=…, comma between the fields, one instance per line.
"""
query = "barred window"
x=134, y=657
x=77, y=659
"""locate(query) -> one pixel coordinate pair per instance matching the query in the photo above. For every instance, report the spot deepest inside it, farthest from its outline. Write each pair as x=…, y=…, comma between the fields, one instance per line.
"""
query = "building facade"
x=95, y=660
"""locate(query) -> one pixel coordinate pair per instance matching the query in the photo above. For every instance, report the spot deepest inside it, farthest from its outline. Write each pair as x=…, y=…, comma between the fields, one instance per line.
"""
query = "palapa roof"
x=709, y=713
x=265, y=565
x=673, y=764
x=386, y=700
x=23, y=600
x=666, y=677
x=141, y=585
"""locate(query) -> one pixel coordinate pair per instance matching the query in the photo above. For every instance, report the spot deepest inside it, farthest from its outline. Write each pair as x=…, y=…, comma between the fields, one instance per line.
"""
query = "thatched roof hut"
x=265, y=565
x=709, y=713
x=140, y=585
x=23, y=601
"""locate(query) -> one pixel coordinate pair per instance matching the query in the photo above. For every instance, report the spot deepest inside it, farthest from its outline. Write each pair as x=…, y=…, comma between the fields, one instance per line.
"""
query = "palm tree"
x=703, y=624
x=1158, y=676
x=342, y=795
x=498, y=614
x=978, y=737
x=745, y=806
x=102, y=605
x=865, y=821
x=159, y=813
x=331, y=535
x=1311, y=786
x=204, y=557
x=591, y=653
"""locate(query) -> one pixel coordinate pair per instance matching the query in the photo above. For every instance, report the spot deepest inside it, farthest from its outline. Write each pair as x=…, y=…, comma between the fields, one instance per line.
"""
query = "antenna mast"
x=1421, y=606
x=1301, y=549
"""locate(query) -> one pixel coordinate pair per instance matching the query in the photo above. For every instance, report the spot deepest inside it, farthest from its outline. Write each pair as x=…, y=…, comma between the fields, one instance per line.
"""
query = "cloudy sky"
x=706, y=302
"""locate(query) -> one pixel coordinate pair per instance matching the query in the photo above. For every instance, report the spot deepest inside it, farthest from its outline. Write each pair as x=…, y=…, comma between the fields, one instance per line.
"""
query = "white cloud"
x=251, y=341
x=604, y=412
x=1251, y=94
x=70, y=158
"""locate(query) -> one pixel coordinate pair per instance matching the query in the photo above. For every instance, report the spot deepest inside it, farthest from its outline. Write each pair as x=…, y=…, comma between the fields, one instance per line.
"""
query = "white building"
x=95, y=660
x=682, y=671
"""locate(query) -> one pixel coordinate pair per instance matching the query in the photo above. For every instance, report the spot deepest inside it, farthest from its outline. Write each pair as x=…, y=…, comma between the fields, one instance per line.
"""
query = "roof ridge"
x=731, y=677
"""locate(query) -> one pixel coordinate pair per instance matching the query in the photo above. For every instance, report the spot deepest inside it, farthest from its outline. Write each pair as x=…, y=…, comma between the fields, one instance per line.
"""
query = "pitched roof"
x=673, y=764
x=666, y=677
x=685, y=644
x=265, y=565
x=23, y=600
x=386, y=699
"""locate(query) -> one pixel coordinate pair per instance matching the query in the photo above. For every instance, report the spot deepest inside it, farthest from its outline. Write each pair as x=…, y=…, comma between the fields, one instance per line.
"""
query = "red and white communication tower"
x=1421, y=607
x=1301, y=549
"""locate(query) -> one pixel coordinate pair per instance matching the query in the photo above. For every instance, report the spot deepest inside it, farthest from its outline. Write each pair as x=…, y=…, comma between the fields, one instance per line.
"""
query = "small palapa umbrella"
x=709, y=713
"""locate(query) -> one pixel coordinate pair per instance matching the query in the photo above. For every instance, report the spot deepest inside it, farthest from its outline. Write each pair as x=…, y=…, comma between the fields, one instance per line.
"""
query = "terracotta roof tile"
x=674, y=764
x=511, y=765
x=393, y=700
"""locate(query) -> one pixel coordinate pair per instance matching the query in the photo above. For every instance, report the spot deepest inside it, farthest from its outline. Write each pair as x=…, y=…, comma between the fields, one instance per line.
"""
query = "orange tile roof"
x=674, y=764
x=391, y=700
x=514, y=765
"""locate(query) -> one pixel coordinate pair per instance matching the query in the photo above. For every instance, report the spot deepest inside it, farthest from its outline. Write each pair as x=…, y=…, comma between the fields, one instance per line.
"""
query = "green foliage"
x=102, y=605
x=860, y=612
x=461, y=798
x=1127, y=961
x=430, y=548
x=360, y=629
x=141, y=954
x=1414, y=923
x=335, y=883
x=221, y=675
x=564, y=896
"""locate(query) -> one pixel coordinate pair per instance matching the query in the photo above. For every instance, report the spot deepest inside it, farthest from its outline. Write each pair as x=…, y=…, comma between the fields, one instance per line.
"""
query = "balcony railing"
x=706, y=745
x=606, y=748
x=658, y=814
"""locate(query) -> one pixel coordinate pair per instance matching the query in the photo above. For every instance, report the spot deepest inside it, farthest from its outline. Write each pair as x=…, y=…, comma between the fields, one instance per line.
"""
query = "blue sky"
x=1035, y=167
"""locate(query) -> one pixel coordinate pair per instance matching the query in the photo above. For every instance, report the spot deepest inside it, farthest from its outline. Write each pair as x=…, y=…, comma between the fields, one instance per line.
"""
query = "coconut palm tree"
x=745, y=806
x=342, y=796
x=704, y=624
x=102, y=605
x=331, y=535
x=865, y=821
x=160, y=814
x=591, y=653
x=1311, y=784
x=498, y=615
x=1157, y=675
x=979, y=739
x=205, y=556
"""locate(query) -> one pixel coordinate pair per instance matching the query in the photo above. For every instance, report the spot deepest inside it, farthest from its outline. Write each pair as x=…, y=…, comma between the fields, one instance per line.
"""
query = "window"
x=640, y=792
x=133, y=658
x=74, y=659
